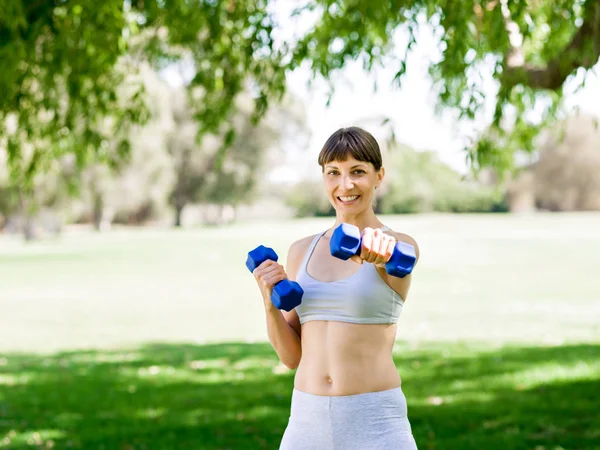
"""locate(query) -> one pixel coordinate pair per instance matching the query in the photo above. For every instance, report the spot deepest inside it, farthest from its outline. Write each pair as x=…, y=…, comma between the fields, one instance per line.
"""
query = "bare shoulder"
x=295, y=255
x=402, y=237
x=294, y=258
x=302, y=244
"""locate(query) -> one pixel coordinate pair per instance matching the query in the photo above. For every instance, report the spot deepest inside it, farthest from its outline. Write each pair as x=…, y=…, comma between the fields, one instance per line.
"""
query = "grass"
x=155, y=339
x=233, y=396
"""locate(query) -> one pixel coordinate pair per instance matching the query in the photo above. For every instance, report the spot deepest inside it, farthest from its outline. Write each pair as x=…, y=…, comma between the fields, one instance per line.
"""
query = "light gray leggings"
x=370, y=421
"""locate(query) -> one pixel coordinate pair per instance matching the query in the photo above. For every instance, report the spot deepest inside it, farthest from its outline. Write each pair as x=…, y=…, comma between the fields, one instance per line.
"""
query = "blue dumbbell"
x=286, y=294
x=346, y=242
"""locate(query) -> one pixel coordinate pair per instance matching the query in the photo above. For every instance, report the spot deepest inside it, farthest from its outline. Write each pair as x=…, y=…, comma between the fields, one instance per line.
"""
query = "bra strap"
x=310, y=250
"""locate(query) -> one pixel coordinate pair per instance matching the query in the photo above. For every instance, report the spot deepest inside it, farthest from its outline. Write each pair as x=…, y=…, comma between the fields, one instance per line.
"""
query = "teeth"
x=349, y=199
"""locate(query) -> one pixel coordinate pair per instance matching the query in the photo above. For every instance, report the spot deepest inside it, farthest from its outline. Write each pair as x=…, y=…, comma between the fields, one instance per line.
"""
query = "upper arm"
x=294, y=259
x=401, y=285
x=409, y=240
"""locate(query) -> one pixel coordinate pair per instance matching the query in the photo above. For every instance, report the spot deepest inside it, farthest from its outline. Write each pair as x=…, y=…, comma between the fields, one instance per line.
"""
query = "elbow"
x=285, y=365
x=292, y=365
x=291, y=362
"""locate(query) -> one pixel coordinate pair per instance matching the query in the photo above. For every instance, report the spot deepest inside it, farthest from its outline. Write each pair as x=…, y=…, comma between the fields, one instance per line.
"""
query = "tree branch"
x=33, y=6
x=582, y=51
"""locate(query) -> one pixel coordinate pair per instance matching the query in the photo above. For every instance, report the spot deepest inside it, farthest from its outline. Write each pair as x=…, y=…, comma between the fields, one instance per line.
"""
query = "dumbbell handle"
x=286, y=294
x=346, y=242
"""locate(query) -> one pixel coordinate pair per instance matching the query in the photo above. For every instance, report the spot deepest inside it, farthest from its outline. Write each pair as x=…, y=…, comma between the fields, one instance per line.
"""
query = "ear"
x=380, y=175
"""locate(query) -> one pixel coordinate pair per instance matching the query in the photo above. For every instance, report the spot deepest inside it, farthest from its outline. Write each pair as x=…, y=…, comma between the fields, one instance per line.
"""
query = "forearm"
x=283, y=337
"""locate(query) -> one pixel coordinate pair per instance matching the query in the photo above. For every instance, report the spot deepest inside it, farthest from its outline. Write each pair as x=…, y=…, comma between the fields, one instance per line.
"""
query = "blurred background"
x=147, y=145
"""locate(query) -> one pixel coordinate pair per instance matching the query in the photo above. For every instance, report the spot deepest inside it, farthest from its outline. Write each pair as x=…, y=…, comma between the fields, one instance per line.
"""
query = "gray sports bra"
x=362, y=298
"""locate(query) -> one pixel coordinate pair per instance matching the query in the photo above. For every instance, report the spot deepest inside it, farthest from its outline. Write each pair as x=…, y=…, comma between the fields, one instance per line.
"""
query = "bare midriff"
x=341, y=358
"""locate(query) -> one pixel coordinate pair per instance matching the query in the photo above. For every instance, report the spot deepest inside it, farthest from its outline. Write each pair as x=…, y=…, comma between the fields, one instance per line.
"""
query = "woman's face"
x=350, y=184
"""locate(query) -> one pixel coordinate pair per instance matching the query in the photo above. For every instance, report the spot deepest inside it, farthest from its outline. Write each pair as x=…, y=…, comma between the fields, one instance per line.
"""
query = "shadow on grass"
x=231, y=396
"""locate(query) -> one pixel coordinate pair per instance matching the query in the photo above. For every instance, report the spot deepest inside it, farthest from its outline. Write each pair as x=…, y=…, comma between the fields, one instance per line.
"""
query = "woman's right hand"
x=267, y=275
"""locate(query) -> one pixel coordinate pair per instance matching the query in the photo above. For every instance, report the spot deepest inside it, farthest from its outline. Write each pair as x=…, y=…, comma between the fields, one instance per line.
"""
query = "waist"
x=352, y=400
x=346, y=359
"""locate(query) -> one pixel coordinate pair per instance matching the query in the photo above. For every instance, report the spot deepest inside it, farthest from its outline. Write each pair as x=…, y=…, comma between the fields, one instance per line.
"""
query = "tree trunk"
x=26, y=211
x=28, y=228
x=178, y=213
x=98, y=210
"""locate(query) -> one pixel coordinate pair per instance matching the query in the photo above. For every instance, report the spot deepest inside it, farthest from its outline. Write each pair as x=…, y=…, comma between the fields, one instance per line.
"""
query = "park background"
x=147, y=146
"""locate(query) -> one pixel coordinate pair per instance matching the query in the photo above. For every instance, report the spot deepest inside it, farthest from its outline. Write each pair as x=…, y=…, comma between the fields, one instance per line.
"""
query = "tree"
x=30, y=209
x=132, y=189
x=191, y=162
x=567, y=175
x=529, y=48
x=205, y=175
x=64, y=63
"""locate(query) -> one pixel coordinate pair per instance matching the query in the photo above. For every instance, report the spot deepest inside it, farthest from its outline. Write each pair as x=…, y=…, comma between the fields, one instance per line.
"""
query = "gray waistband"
x=350, y=401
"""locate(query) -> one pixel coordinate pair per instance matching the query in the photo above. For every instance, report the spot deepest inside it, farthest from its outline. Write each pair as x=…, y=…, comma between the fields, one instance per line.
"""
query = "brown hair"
x=354, y=141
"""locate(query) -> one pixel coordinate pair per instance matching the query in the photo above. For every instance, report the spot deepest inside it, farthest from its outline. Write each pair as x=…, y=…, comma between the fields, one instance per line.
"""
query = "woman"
x=347, y=392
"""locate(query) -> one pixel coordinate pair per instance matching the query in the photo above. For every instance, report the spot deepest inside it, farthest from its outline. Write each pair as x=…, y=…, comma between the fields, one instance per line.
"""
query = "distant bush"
x=419, y=182
x=472, y=199
x=308, y=199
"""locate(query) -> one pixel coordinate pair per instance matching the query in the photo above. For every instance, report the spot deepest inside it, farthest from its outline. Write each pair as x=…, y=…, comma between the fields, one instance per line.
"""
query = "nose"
x=346, y=183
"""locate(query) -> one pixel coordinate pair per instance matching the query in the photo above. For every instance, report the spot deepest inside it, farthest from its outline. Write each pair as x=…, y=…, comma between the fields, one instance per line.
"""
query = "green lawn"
x=154, y=339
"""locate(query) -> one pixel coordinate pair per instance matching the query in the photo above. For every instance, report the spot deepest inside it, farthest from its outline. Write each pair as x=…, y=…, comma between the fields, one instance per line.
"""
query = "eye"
x=359, y=171
x=332, y=172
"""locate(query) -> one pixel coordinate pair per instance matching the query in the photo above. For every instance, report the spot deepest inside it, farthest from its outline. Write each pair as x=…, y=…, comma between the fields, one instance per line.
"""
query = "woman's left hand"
x=377, y=247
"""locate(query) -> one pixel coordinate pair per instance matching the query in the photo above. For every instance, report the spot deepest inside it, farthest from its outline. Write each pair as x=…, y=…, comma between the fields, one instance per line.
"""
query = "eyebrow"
x=353, y=167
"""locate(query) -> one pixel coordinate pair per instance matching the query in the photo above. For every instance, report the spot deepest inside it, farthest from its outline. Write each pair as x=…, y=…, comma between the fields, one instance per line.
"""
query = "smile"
x=348, y=199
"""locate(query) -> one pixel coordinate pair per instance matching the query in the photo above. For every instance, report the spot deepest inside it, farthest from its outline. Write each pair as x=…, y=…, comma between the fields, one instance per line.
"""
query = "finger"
x=375, y=252
x=380, y=245
x=356, y=259
x=267, y=270
x=265, y=264
x=387, y=248
x=276, y=269
x=390, y=249
x=274, y=266
x=367, y=244
x=272, y=280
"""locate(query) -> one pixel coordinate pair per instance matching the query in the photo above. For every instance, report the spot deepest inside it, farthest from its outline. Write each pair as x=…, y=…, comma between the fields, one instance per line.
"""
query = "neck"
x=362, y=220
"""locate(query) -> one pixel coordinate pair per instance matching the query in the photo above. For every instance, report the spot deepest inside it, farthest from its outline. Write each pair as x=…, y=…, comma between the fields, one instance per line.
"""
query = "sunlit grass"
x=43, y=439
x=493, y=278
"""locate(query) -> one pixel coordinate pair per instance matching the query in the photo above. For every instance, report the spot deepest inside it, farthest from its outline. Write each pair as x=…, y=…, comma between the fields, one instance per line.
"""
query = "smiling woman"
x=352, y=167
x=347, y=390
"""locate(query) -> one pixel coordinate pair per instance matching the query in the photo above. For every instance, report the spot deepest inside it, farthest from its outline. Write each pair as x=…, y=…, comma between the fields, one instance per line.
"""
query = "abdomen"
x=344, y=359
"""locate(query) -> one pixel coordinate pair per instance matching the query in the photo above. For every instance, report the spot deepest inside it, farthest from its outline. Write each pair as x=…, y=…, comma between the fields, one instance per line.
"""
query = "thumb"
x=356, y=259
